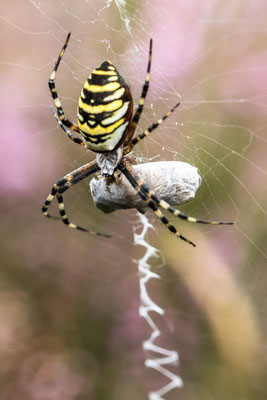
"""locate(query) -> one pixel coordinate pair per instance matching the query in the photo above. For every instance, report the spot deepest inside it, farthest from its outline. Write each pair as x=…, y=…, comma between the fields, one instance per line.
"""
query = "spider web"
x=213, y=57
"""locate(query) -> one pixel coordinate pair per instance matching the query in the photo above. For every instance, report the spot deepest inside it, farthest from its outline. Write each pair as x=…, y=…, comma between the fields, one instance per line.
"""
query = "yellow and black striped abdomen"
x=105, y=109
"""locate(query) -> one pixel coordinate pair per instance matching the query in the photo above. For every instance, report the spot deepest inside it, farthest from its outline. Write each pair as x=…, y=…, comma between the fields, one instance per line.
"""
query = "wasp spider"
x=106, y=125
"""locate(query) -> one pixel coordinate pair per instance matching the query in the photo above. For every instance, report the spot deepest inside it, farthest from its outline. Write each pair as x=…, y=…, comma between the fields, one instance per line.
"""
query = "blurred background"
x=69, y=323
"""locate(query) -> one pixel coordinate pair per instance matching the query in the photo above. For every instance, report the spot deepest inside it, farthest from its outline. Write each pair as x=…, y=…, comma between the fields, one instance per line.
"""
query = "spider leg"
x=67, y=181
x=166, y=206
x=137, y=184
x=64, y=184
x=177, y=213
x=142, y=135
x=141, y=103
x=62, y=121
x=67, y=130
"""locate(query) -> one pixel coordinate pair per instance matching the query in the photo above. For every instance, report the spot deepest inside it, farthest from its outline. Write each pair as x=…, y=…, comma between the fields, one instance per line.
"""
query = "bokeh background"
x=69, y=324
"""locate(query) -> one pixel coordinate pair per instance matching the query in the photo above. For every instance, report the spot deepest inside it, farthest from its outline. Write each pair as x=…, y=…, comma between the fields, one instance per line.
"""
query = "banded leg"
x=60, y=117
x=135, y=182
x=142, y=135
x=177, y=213
x=141, y=103
x=166, y=206
x=67, y=130
x=64, y=184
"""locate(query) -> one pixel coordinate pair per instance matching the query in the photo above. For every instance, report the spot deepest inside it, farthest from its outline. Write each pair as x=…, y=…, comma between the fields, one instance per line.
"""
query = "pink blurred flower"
x=19, y=147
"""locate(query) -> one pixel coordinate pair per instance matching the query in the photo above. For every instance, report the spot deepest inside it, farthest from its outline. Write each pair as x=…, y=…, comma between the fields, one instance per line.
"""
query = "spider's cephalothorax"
x=105, y=109
x=107, y=127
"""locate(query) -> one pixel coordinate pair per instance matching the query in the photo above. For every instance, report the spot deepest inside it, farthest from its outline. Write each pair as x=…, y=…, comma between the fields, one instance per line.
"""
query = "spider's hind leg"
x=63, y=122
x=141, y=102
x=150, y=129
x=67, y=129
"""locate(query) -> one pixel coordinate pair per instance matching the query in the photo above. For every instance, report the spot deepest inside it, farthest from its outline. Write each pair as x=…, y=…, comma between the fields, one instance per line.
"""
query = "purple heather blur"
x=69, y=324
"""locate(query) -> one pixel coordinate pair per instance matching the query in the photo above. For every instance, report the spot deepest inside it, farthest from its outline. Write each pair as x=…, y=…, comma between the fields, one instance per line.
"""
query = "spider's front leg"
x=64, y=184
x=127, y=170
x=153, y=201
